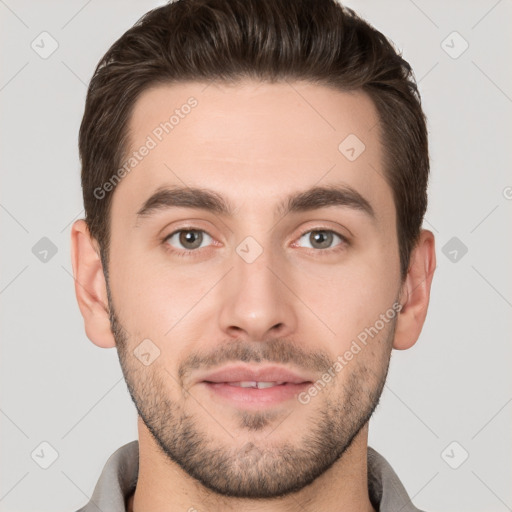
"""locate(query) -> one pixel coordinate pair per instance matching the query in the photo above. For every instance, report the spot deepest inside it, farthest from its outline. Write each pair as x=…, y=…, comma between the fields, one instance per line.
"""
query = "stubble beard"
x=257, y=469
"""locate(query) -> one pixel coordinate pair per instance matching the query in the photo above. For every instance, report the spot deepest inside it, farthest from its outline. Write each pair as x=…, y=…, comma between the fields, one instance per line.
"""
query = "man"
x=255, y=178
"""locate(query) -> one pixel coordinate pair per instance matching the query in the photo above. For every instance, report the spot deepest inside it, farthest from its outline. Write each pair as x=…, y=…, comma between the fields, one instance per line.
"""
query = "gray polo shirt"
x=119, y=478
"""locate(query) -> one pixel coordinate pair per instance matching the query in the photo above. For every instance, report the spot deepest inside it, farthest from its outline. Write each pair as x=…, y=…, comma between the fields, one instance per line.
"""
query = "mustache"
x=275, y=350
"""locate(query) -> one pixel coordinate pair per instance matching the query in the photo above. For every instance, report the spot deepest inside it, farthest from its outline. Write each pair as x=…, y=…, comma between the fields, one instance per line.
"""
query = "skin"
x=254, y=144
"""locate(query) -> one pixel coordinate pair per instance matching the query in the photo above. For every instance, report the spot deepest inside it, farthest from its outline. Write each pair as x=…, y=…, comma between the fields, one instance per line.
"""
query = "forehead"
x=252, y=142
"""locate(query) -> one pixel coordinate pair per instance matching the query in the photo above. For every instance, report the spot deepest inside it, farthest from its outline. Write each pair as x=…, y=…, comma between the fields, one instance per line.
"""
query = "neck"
x=163, y=486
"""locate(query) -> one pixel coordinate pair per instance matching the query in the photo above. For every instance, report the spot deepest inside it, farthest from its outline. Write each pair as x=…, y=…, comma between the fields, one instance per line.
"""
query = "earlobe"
x=415, y=292
x=90, y=285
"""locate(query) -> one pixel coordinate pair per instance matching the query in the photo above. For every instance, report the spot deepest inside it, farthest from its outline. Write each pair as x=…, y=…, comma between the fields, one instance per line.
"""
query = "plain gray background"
x=447, y=397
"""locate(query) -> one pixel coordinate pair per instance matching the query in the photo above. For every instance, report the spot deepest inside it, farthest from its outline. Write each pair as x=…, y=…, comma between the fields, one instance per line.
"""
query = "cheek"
x=349, y=298
x=157, y=299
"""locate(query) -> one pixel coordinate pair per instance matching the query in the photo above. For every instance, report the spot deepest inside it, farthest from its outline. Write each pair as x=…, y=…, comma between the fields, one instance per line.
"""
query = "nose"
x=256, y=300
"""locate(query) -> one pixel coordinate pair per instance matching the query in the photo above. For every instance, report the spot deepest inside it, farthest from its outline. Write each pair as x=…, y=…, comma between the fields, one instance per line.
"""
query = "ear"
x=90, y=285
x=415, y=292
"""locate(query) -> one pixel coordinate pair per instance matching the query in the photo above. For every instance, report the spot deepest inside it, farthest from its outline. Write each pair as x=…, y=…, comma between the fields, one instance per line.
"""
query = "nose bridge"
x=253, y=299
x=253, y=262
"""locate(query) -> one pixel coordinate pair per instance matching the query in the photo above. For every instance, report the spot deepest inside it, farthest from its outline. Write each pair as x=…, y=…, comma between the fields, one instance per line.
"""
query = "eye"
x=322, y=238
x=188, y=239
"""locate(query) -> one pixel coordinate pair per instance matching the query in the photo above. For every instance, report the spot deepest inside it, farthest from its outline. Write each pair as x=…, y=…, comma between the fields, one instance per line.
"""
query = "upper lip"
x=243, y=373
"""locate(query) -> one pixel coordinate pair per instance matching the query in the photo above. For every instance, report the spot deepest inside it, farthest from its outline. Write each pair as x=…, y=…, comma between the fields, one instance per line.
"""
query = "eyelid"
x=189, y=224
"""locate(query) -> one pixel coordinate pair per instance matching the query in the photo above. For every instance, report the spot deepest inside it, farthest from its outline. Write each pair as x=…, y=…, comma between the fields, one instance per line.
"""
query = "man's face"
x=256, y=288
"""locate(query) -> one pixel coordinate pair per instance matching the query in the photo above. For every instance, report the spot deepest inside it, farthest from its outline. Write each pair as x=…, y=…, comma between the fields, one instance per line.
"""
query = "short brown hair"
x=319, y=41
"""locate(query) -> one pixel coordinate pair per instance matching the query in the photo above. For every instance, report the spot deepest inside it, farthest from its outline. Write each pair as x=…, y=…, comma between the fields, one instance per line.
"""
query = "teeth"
x=254, y=384
x=245, y=384
x=267, y=385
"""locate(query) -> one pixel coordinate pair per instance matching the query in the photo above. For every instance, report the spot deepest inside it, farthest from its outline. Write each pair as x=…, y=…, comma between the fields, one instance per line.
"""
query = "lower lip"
x=254, y=396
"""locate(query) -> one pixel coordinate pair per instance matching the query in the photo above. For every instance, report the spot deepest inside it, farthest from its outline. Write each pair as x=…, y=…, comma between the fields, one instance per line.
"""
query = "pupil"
x=191, y=237
x=322, y=237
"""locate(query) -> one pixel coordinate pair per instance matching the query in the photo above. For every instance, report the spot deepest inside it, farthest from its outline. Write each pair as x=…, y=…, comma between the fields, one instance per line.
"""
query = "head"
x=255, y=179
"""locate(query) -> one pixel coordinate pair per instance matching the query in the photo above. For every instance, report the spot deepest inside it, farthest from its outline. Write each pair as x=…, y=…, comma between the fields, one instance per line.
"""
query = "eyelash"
x=192, y=253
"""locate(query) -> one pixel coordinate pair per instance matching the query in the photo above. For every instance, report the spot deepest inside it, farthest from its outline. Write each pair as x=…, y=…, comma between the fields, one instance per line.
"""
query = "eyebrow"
x=209, y=200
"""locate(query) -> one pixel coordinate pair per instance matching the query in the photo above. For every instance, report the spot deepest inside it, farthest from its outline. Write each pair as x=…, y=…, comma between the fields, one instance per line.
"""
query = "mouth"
x=252, y=384
x=254, y=387
x=252, y=376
